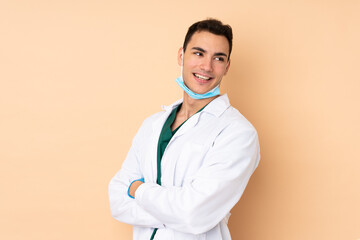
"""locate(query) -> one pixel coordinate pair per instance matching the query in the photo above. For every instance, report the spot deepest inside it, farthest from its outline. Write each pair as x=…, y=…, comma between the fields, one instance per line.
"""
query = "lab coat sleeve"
x=202, y=203
x=123, y=208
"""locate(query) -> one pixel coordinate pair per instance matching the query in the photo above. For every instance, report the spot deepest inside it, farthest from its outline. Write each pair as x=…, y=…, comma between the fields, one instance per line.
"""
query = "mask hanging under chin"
x=214, y=92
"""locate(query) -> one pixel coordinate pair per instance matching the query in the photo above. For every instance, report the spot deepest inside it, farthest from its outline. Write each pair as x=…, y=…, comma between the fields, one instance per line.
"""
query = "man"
x=189, y=164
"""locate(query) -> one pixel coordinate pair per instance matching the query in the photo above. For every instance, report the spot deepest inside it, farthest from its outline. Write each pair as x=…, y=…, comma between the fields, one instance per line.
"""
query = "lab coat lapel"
x=152, y=156
x=188, y=125
x=157, y=127
x=169, y=164
x=216, y=107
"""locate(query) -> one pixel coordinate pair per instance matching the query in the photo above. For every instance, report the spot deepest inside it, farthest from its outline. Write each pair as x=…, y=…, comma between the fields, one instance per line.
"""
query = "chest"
x=183, y=157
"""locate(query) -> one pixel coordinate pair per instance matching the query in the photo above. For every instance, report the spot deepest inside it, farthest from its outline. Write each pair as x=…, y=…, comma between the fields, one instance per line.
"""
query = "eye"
x=198, y=53
x=221, y=59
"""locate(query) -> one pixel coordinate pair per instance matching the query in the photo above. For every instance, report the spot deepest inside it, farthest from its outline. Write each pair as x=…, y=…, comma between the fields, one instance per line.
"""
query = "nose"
x=206, y=65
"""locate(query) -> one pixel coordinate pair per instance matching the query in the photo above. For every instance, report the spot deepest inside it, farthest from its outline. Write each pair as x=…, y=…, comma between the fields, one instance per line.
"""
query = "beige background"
x=77, y=78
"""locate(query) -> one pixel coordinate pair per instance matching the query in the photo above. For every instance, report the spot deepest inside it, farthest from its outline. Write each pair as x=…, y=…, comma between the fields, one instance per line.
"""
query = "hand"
x=134, y=186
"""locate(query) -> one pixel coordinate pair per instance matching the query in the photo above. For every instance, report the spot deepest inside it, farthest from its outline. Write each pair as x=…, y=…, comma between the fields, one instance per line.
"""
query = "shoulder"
x=157, y=116
x=234, y=119
x=235, y=131
x=145, y=130
x=238, y=132
x=225, y=115
x=149, y=121
x=153, y=118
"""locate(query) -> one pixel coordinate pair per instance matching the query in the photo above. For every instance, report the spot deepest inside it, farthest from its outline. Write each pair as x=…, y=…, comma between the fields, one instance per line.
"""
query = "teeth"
x=201, y=77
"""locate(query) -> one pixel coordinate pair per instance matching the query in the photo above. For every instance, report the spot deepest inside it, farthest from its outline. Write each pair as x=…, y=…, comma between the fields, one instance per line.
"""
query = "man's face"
x=205, y=61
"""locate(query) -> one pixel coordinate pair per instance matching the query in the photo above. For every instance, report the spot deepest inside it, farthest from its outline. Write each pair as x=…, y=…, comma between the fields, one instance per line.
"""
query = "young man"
x=189, y=164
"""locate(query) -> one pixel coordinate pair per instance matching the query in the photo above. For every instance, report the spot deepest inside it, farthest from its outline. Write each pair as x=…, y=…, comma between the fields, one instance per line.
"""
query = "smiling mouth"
x=201, y=77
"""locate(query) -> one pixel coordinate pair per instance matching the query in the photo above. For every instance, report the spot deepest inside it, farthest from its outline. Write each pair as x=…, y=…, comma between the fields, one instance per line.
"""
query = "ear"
x=180, y=56
x=227, y=67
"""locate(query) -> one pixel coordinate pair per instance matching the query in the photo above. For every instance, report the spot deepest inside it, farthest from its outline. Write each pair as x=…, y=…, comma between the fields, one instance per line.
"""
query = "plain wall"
x=77, y=78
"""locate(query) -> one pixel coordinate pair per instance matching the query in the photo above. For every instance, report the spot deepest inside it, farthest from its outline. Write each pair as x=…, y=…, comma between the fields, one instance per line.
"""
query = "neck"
x=191, y=106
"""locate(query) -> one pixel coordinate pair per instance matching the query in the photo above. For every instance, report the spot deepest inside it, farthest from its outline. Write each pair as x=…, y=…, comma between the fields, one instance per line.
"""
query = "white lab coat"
x=205, y=169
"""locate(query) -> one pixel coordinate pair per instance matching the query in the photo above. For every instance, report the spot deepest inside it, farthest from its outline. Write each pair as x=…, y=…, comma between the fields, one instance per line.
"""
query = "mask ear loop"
x=182, y=62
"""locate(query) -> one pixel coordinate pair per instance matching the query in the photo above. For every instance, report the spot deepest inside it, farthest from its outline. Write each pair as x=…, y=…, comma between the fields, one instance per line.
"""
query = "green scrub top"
x=164, y=139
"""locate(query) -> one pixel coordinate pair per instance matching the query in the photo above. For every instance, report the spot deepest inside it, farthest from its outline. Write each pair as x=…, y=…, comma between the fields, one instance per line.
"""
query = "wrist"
x=134, y=186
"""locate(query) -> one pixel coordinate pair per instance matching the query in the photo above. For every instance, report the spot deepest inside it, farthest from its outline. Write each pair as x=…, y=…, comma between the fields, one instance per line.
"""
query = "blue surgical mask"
x=214, y=92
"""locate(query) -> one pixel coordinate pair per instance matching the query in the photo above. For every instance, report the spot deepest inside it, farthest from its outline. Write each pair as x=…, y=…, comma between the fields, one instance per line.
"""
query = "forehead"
x=209, y=42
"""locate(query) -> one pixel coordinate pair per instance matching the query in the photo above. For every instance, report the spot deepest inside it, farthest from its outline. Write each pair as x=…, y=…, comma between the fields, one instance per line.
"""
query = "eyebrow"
x=202, y=50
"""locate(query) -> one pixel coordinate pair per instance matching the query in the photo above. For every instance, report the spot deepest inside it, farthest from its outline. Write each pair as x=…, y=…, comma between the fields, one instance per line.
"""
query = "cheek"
x=191, y=63
x=220, y=70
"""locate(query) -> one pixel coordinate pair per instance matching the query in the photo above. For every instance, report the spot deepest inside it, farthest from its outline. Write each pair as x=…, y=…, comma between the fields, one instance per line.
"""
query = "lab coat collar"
x=215, y=107
x=218, y=105
x=172, y=106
